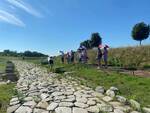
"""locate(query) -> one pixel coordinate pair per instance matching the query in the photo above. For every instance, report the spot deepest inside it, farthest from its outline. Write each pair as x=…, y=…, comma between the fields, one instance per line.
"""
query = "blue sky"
x=51, y=25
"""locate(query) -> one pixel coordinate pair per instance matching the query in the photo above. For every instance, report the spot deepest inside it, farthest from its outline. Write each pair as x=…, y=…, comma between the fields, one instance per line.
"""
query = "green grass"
x=131, y=87
x=6, y=92
x=2, y=64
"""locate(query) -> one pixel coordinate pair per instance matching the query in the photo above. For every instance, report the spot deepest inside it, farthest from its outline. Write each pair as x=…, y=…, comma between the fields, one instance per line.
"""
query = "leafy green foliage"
x=33, y=54
x=140, y=31
x=93, y=42
x=86, y=43
x=24, y=54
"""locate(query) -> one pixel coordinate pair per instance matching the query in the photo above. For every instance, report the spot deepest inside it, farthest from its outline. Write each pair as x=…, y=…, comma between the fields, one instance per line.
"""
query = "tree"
x=140, y=31
x=95, y=40
x=86, y=43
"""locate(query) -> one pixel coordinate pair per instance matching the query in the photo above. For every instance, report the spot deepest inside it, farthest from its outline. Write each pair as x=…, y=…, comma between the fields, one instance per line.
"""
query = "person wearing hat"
x=99, y=56
x=50, y=62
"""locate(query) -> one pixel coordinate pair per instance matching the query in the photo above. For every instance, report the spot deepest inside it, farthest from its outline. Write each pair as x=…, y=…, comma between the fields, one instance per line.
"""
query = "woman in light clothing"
x=105, y=55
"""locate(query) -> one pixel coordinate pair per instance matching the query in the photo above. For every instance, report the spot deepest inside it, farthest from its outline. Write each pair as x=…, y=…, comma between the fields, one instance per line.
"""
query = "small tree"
x=140, y=32
x=95, y=40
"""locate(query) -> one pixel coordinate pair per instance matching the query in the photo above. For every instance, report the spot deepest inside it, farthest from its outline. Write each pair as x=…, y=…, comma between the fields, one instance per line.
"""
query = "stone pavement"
x=40, y=92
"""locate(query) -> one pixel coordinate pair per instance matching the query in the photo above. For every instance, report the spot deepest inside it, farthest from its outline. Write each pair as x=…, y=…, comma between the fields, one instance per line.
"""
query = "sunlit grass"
x=6, y=92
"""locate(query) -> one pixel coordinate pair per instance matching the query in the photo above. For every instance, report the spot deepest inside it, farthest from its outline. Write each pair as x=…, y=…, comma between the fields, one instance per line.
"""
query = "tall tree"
x=140, y=31
x=95, y=39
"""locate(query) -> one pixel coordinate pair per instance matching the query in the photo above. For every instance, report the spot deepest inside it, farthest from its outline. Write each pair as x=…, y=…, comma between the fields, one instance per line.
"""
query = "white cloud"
x=10, y=18
x=24, y=6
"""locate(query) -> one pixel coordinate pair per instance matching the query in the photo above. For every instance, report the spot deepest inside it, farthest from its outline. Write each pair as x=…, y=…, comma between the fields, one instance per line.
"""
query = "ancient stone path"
x=40, y=92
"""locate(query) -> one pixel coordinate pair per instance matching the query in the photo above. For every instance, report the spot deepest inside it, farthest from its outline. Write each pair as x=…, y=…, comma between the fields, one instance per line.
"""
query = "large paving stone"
x=93, y=109
x=121, y=99
x=63, y=110
x=44, y=96
x=52, y=106
x=100, y=89
x=107, y=98
x=118, y=111
x=110, y=93
x=79, y=110
x=23, y=109
x=37, y=110
x=135, y=104
x=42, y=104
x=105, y=107
x=30, y=104
x=91, y=102
x=12, y=109
x=81, y=105
x=66, y=104
x=81, y=100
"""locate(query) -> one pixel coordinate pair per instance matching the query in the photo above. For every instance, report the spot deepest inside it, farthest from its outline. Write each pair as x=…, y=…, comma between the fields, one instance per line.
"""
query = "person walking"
x=62, y=56
x=72, y=56
x=84, y=56
x=99, y=56
x=79, y=55
x=51, y=62
x=105, y=55
x=68, y=57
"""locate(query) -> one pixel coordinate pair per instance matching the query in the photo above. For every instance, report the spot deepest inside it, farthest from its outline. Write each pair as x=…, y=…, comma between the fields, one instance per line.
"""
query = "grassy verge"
x=2, y=64
x=130, y=86
x=6, y=92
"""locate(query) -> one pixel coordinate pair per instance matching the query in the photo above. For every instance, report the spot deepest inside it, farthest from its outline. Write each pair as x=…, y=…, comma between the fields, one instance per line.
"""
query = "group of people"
x=82, y=57
x=69, y=57
x=82, y=54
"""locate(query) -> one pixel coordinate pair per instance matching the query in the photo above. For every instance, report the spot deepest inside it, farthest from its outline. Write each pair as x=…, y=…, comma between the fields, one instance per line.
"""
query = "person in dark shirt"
x=99, y=56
